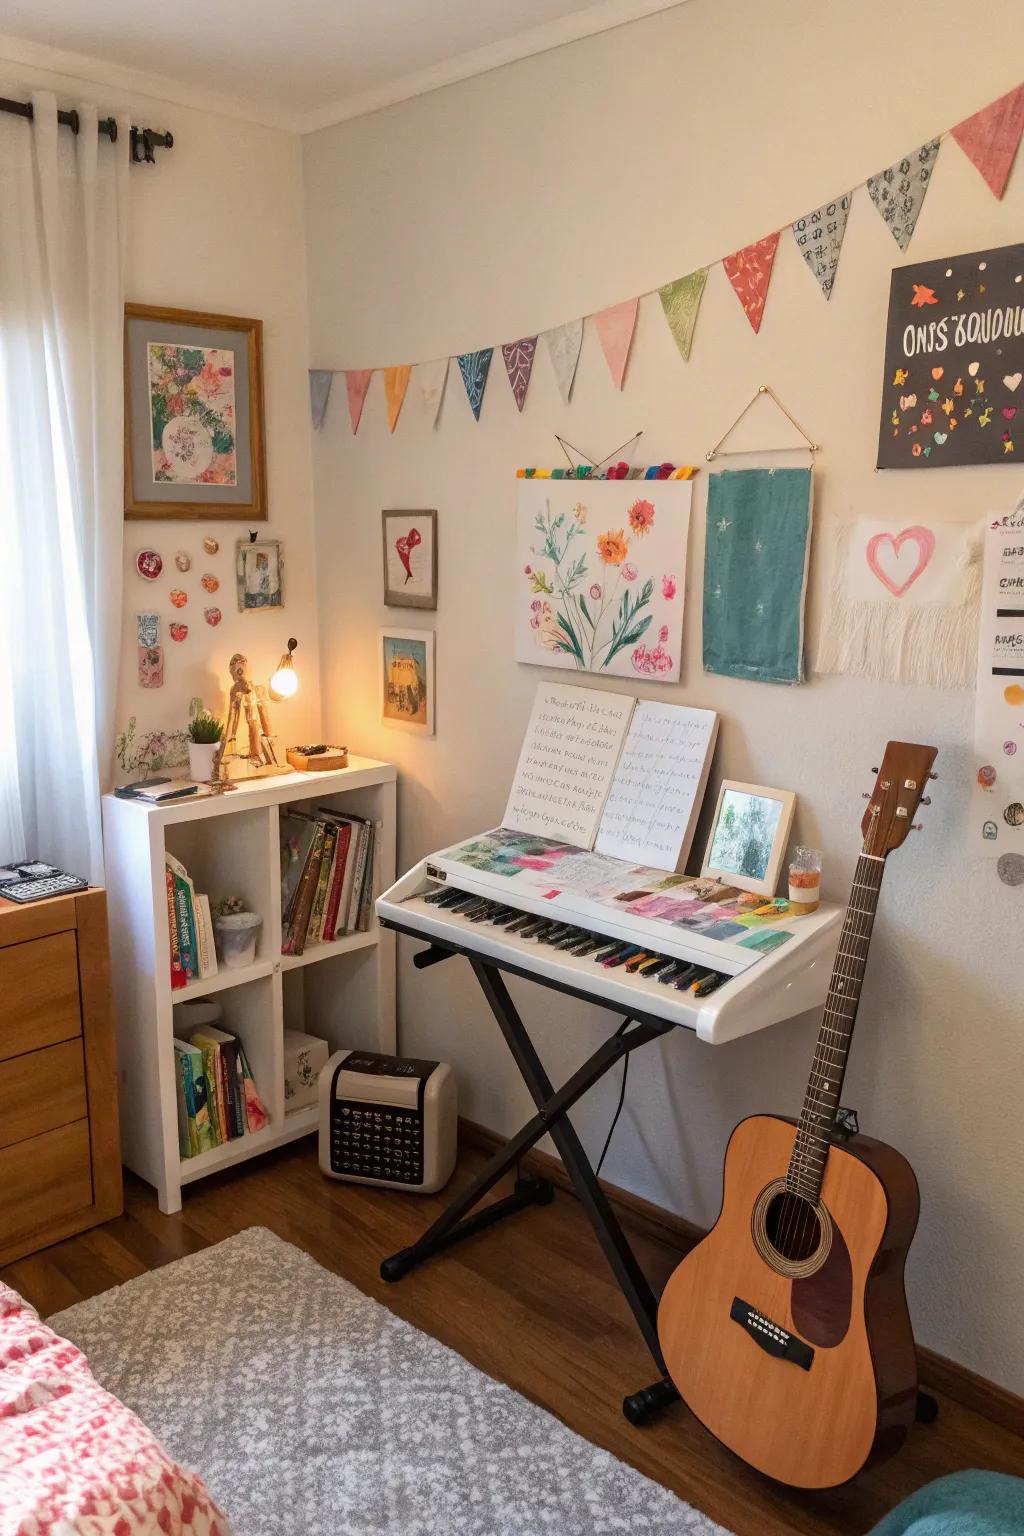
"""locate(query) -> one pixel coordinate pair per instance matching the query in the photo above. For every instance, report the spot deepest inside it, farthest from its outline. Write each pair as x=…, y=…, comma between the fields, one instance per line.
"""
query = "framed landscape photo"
x=193, y=415
x=410, y=559
x=407, y=679
x=749, y=836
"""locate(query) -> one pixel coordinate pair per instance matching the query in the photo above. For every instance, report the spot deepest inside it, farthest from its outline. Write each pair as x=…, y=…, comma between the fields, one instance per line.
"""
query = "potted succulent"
x=204, y=734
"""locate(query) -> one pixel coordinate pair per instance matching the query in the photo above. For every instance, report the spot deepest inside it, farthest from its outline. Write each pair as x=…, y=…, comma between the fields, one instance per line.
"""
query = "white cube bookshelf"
x=343, y=992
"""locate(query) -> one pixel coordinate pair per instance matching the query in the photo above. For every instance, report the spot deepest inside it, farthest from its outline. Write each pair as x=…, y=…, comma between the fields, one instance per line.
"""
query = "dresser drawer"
x=39, y=1000
x=43, y=1180
x=41, y=1091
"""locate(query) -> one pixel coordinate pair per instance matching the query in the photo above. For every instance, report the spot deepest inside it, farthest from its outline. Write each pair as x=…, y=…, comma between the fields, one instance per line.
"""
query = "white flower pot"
x=200, y=760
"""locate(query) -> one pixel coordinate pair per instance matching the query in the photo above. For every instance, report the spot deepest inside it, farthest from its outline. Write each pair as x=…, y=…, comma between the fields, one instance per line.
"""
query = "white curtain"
x=63, y=224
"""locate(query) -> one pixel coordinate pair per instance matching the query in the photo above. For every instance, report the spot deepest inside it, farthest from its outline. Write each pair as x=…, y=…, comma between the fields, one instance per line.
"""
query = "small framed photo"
x=749, y=836
x=259, y=573
x=407, y=679
x=410, y=559
x=193, y=415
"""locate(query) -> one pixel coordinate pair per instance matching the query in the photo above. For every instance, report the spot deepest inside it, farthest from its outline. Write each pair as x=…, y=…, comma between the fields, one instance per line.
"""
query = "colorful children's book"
x=193, y=1105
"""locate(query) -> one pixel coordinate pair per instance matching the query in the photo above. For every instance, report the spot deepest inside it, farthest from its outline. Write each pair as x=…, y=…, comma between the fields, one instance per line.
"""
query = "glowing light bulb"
x=285, y=682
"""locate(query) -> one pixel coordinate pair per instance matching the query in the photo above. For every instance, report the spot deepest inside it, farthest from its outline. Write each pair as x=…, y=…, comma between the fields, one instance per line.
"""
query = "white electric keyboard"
x=606, y=954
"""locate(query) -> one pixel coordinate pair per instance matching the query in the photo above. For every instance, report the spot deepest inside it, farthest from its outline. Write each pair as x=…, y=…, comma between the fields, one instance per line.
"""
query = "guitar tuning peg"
x=933, y=775
x=926, y=799
x=865, y=795
x=874, y=770
x=917, y=827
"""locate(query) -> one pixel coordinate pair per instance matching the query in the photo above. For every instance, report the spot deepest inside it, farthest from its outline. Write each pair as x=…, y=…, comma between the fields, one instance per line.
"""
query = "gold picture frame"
x=194, y=436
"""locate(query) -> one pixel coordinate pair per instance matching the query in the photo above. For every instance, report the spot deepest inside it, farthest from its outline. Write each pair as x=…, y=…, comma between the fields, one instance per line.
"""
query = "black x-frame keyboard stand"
x=455, y=1223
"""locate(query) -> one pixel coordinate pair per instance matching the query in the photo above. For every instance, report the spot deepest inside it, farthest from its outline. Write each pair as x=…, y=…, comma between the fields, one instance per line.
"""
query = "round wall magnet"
x=212, y=616
x=179, y=598
x=210, y=583
x=183, y=560
x=179, y=631
x=1010, y=868
x=1009, y=747
x=986, y=776
x=211, y=545
x=1014, y=814
x=149, y=564
x=990, y=831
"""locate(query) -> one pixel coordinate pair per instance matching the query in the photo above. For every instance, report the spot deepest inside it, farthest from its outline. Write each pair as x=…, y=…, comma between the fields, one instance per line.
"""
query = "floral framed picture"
x=410, y=559
x=193, y=418
x=407, y=679
x=259, y=574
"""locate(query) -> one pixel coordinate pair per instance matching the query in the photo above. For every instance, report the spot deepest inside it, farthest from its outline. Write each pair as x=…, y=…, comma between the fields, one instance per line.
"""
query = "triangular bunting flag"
x=898, y=192
x=519, y=357
x=615, y=326
x=431, y=379
x=320, y=381
x=819, y=238
x=396, y=382
x=989, y=139
x=750, y=272
x=563, y=344
x=681, y=301
x=474, y=367
x=357, y=382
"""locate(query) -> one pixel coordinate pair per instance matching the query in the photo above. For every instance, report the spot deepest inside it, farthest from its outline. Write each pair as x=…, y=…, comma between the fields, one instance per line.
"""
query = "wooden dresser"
x=60, y=1154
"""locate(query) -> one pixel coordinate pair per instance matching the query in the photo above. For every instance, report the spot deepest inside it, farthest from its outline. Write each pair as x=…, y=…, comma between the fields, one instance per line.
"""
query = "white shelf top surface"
x=252, y=794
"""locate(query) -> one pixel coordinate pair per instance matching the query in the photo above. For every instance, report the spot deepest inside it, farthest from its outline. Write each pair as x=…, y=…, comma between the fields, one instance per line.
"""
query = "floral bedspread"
x=73, y=1460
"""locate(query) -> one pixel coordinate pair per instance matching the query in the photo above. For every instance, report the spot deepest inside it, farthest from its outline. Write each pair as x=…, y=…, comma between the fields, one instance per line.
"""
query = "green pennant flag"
x=681, y=301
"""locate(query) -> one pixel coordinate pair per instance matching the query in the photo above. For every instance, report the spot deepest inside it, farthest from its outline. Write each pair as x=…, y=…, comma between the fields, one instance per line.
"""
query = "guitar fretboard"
x=821, y=1101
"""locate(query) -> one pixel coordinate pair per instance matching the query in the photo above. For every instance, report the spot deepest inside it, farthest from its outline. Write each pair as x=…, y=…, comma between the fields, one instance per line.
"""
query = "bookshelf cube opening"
x=231, y=856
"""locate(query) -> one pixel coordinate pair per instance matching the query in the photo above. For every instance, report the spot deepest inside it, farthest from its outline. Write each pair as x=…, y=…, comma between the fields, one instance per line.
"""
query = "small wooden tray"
x=327, y=761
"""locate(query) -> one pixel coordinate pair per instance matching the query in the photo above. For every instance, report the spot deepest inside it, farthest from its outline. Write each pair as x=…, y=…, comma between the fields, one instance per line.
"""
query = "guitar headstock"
x=899, y=790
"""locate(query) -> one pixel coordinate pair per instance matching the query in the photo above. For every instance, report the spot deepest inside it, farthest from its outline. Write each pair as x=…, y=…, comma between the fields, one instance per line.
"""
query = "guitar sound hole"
x=792, y=1227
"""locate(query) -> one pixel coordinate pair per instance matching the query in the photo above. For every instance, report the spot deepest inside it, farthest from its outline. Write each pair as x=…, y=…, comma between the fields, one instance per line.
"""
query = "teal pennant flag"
x=755, y=573
x=474, y=367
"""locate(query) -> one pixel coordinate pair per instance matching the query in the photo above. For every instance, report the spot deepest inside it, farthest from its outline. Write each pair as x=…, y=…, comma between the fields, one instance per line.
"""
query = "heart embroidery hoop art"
x=922, y=537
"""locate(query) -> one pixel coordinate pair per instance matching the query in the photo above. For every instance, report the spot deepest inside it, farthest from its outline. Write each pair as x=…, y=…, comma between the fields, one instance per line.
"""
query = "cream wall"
x=520, y=199
x=217, y=225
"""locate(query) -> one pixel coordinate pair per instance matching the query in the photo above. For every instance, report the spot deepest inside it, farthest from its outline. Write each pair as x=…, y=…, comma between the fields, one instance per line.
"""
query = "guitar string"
x=800, y=1214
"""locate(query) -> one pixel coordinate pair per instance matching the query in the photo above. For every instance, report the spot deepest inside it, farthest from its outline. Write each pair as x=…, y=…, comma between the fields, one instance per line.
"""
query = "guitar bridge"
x=773, y=1339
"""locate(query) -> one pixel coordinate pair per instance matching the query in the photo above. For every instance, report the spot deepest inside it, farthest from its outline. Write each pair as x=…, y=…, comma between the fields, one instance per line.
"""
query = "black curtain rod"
x=144, y=140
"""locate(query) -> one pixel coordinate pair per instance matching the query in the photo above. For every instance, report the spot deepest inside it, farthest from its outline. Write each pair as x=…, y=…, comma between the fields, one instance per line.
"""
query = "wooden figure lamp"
x=247, y=704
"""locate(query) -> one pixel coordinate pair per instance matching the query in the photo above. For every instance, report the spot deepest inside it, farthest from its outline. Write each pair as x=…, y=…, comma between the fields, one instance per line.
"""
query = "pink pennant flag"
x=357, y=382
x=615, y=326
x=990, y=138
x=750, y=272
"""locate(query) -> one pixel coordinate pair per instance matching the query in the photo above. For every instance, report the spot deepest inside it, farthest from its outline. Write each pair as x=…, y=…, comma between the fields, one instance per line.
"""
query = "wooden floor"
x=531, y=1302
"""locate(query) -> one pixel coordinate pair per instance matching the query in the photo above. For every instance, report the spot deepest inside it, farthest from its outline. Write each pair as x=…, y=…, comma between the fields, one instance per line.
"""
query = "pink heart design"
x=922, y=537
x=1009, y=411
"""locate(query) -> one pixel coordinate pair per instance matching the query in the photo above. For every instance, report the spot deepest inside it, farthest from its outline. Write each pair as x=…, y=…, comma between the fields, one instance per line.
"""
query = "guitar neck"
x=825, y=1084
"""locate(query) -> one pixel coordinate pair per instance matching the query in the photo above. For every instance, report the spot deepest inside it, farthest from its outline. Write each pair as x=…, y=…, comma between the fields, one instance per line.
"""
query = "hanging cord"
x=618, y=1108
x=565, y=445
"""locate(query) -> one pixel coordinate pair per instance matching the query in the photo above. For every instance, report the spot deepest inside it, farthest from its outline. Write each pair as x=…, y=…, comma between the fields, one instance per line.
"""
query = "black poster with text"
x=954, y=362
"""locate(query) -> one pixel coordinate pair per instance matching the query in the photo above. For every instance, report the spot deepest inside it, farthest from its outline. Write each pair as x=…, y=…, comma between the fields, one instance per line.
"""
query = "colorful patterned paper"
x=750, y=272
x=755, y=570
x=681, y=301
x=431, y=379
x=563, y=344
x=320, y=381
x=396, y=382
x=615, y=326
x=519, y=357
x=357, y=382
x=819, y=239
x=474, y=367
x=990, y=138
x=899, y=191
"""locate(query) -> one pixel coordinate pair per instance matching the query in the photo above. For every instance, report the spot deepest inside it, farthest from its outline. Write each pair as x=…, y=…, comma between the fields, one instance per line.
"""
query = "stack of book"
x=190, y=925
x=217, y=1097
x=326, y=877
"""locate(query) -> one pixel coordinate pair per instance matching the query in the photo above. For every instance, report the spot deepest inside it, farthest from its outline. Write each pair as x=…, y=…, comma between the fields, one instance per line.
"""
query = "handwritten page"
x=656, y=793
x=567, y=761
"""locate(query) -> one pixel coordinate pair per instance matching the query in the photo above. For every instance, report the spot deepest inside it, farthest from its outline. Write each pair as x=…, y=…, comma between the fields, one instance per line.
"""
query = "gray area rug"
x=310, y=1410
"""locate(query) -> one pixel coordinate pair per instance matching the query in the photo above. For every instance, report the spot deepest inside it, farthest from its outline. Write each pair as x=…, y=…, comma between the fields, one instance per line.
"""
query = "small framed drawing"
x=410, y=559
x=259, y=573
x=193, y=415
x=749, y=836
x=407, y=679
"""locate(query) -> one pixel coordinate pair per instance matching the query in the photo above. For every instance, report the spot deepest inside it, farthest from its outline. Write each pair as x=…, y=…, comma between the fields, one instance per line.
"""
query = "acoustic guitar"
x=786, y=1329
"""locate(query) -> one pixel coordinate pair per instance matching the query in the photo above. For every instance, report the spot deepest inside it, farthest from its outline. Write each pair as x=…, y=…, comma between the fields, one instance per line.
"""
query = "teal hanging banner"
x=755, y=573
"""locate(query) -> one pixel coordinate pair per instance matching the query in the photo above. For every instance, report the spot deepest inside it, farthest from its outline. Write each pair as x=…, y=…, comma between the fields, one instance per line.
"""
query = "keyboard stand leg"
x=552, y=1108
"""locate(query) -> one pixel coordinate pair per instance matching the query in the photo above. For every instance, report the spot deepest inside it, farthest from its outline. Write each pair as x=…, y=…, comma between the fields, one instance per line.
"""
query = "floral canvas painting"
x=600, y=576
x=192, y=414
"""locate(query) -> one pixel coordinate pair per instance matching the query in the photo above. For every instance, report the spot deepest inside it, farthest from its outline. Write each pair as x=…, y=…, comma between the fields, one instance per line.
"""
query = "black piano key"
x=466, y=909
x=709, y=984
x=668, y=976
x=504, y=915
x=533, y=926
x=466, y=900
x=557, y=932
x=449, y=896
x=588, y=944
x=520, y=922
x=569, y=940
x=621, y=956
x=482, y=914
x=687, y=982
x=652, y=965
x=639, y=959
x=435, y=897
x=613, y=948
